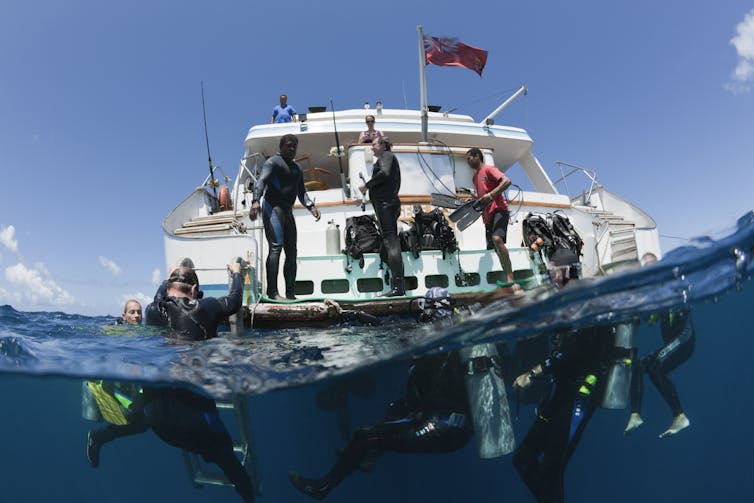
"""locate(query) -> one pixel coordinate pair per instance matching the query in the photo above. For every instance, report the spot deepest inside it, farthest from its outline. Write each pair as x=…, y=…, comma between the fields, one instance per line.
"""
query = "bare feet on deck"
x=278, y=297
x=633, y=422
x=679, y=423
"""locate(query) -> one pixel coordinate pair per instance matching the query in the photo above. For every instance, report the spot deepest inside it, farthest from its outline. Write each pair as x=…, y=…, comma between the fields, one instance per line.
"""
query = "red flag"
x=450, y=52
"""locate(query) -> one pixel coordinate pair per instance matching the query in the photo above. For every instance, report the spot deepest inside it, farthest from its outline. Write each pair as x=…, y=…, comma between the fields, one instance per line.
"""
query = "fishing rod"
x=346, y=190
x=213, y=184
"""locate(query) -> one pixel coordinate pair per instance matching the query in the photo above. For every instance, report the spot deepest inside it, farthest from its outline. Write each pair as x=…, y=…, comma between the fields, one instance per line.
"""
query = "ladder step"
x=198, y=223
x=214, y=479
x=624, y=233
x=219, y=214
x=205, y=228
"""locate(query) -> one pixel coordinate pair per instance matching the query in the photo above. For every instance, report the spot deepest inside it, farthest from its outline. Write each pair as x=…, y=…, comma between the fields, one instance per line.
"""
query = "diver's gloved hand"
x=397, y=410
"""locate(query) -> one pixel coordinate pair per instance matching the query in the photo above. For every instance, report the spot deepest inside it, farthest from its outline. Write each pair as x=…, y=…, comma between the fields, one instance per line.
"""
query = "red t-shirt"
x=485, y=179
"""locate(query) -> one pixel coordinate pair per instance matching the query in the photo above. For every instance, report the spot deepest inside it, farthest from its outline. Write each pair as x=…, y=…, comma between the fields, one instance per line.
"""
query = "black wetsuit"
x=679, y=339
x=185, y=420
x=180, y=417
x=280, y=182
x=383, y=190
x=578, y=369
x=433, y=417
x=194, y=319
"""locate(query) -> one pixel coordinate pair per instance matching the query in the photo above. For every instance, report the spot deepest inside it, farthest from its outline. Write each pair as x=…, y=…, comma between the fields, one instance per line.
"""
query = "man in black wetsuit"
x=578, y=368
x=179, y=304
x=178, y=416
x=433, y=417
x=679, y=340
x=280, y=182
x=383, y=190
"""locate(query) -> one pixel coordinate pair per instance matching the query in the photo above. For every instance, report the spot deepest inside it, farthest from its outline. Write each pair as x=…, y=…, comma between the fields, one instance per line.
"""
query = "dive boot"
x=397, y=289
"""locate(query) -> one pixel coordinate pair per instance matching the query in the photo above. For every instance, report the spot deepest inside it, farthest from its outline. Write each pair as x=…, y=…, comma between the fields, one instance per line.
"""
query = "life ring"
x=225, y=202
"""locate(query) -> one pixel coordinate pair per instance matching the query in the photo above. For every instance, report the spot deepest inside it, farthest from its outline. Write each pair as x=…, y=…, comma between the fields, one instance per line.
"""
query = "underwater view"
x=327, y=408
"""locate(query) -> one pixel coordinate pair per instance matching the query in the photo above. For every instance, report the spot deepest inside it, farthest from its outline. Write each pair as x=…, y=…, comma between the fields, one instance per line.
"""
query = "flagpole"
x=423, y=85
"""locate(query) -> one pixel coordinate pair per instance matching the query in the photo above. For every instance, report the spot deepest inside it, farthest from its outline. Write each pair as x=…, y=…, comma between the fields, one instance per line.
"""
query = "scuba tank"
x=618, y=381
x=332, y=238
x=89, y=408
x=236, y=320
x=488, y=402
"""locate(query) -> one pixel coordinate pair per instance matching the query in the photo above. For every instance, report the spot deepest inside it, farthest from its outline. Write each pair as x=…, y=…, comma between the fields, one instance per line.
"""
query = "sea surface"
x=307, y=389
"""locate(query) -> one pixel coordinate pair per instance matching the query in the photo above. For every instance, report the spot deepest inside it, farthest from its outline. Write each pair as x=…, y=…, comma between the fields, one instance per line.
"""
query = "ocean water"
x=308, y=388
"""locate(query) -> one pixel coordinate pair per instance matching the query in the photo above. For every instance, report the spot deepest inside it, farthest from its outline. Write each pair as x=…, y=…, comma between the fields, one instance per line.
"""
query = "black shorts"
x=497, y=226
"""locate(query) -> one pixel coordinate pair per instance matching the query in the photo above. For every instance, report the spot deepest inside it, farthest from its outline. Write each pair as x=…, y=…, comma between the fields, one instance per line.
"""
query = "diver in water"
x=578, y=368
x=679, y=339
x=132, y=314
x=180, y=417
x=179, y=304
x=432, y=417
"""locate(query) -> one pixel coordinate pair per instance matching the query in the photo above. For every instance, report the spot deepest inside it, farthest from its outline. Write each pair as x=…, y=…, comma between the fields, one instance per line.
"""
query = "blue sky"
x=101, y=129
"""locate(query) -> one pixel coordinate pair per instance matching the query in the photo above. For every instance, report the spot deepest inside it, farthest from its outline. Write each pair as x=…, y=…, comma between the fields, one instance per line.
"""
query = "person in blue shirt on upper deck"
x=283, y=112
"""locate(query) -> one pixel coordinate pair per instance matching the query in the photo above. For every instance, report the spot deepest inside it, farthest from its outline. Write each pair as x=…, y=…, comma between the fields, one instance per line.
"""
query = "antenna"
x=212, y=182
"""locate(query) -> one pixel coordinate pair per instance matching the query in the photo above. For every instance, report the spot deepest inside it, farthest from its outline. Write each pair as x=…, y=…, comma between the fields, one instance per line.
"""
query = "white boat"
x=614, y=231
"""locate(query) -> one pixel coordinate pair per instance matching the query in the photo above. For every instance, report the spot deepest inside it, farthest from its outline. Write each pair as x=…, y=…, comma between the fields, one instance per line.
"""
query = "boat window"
x=365, y=285
x=335, y=286
x=304, y=287
x=440, y=280
x=424, y=173
x=472, y=279
x=495, y=276
x=410, y=283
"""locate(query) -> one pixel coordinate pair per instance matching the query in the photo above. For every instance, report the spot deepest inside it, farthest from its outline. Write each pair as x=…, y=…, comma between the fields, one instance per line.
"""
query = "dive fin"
x=467, y=214
x=446, y=201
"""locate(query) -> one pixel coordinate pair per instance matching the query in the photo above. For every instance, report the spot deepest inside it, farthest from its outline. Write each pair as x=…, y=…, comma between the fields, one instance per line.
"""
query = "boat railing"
x=588, y=173
x=209, y=179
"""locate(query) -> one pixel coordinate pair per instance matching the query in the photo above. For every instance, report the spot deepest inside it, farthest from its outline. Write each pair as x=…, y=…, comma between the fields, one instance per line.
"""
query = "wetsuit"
x=180, y=417
x=433, y=417
x=679, y=339
x=578, y=369
x=185, y=420
x=194, y=319
x=280, y=183
x=383, y=190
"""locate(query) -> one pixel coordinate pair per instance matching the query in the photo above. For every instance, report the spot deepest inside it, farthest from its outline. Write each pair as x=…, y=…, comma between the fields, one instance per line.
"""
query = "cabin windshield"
x=424, y=170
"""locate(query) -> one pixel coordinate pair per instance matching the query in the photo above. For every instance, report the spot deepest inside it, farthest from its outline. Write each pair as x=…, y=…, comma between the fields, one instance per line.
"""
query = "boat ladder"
x=615, y=239
x=243, y=447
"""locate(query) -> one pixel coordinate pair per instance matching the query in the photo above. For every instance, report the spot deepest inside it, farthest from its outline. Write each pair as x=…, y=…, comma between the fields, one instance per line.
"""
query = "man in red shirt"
x=489, y=184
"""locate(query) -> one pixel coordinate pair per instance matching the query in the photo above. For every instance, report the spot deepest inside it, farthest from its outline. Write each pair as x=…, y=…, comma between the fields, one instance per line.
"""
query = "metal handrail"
x=591, y=175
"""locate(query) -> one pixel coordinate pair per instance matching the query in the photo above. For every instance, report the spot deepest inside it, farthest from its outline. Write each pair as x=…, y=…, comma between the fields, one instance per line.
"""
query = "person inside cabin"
x=490, y=184
x=280, y=182
x=132, y=314
x=383, y=190
x=679, y=340
x=283, y=112
x=370, y=134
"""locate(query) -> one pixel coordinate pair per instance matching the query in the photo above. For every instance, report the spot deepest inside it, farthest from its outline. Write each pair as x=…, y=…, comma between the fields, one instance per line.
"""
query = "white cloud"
x=110, y=265
x=35, y=287
x=156, y=277
x=8, y=238
x=743, y=74
x=140, y=296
